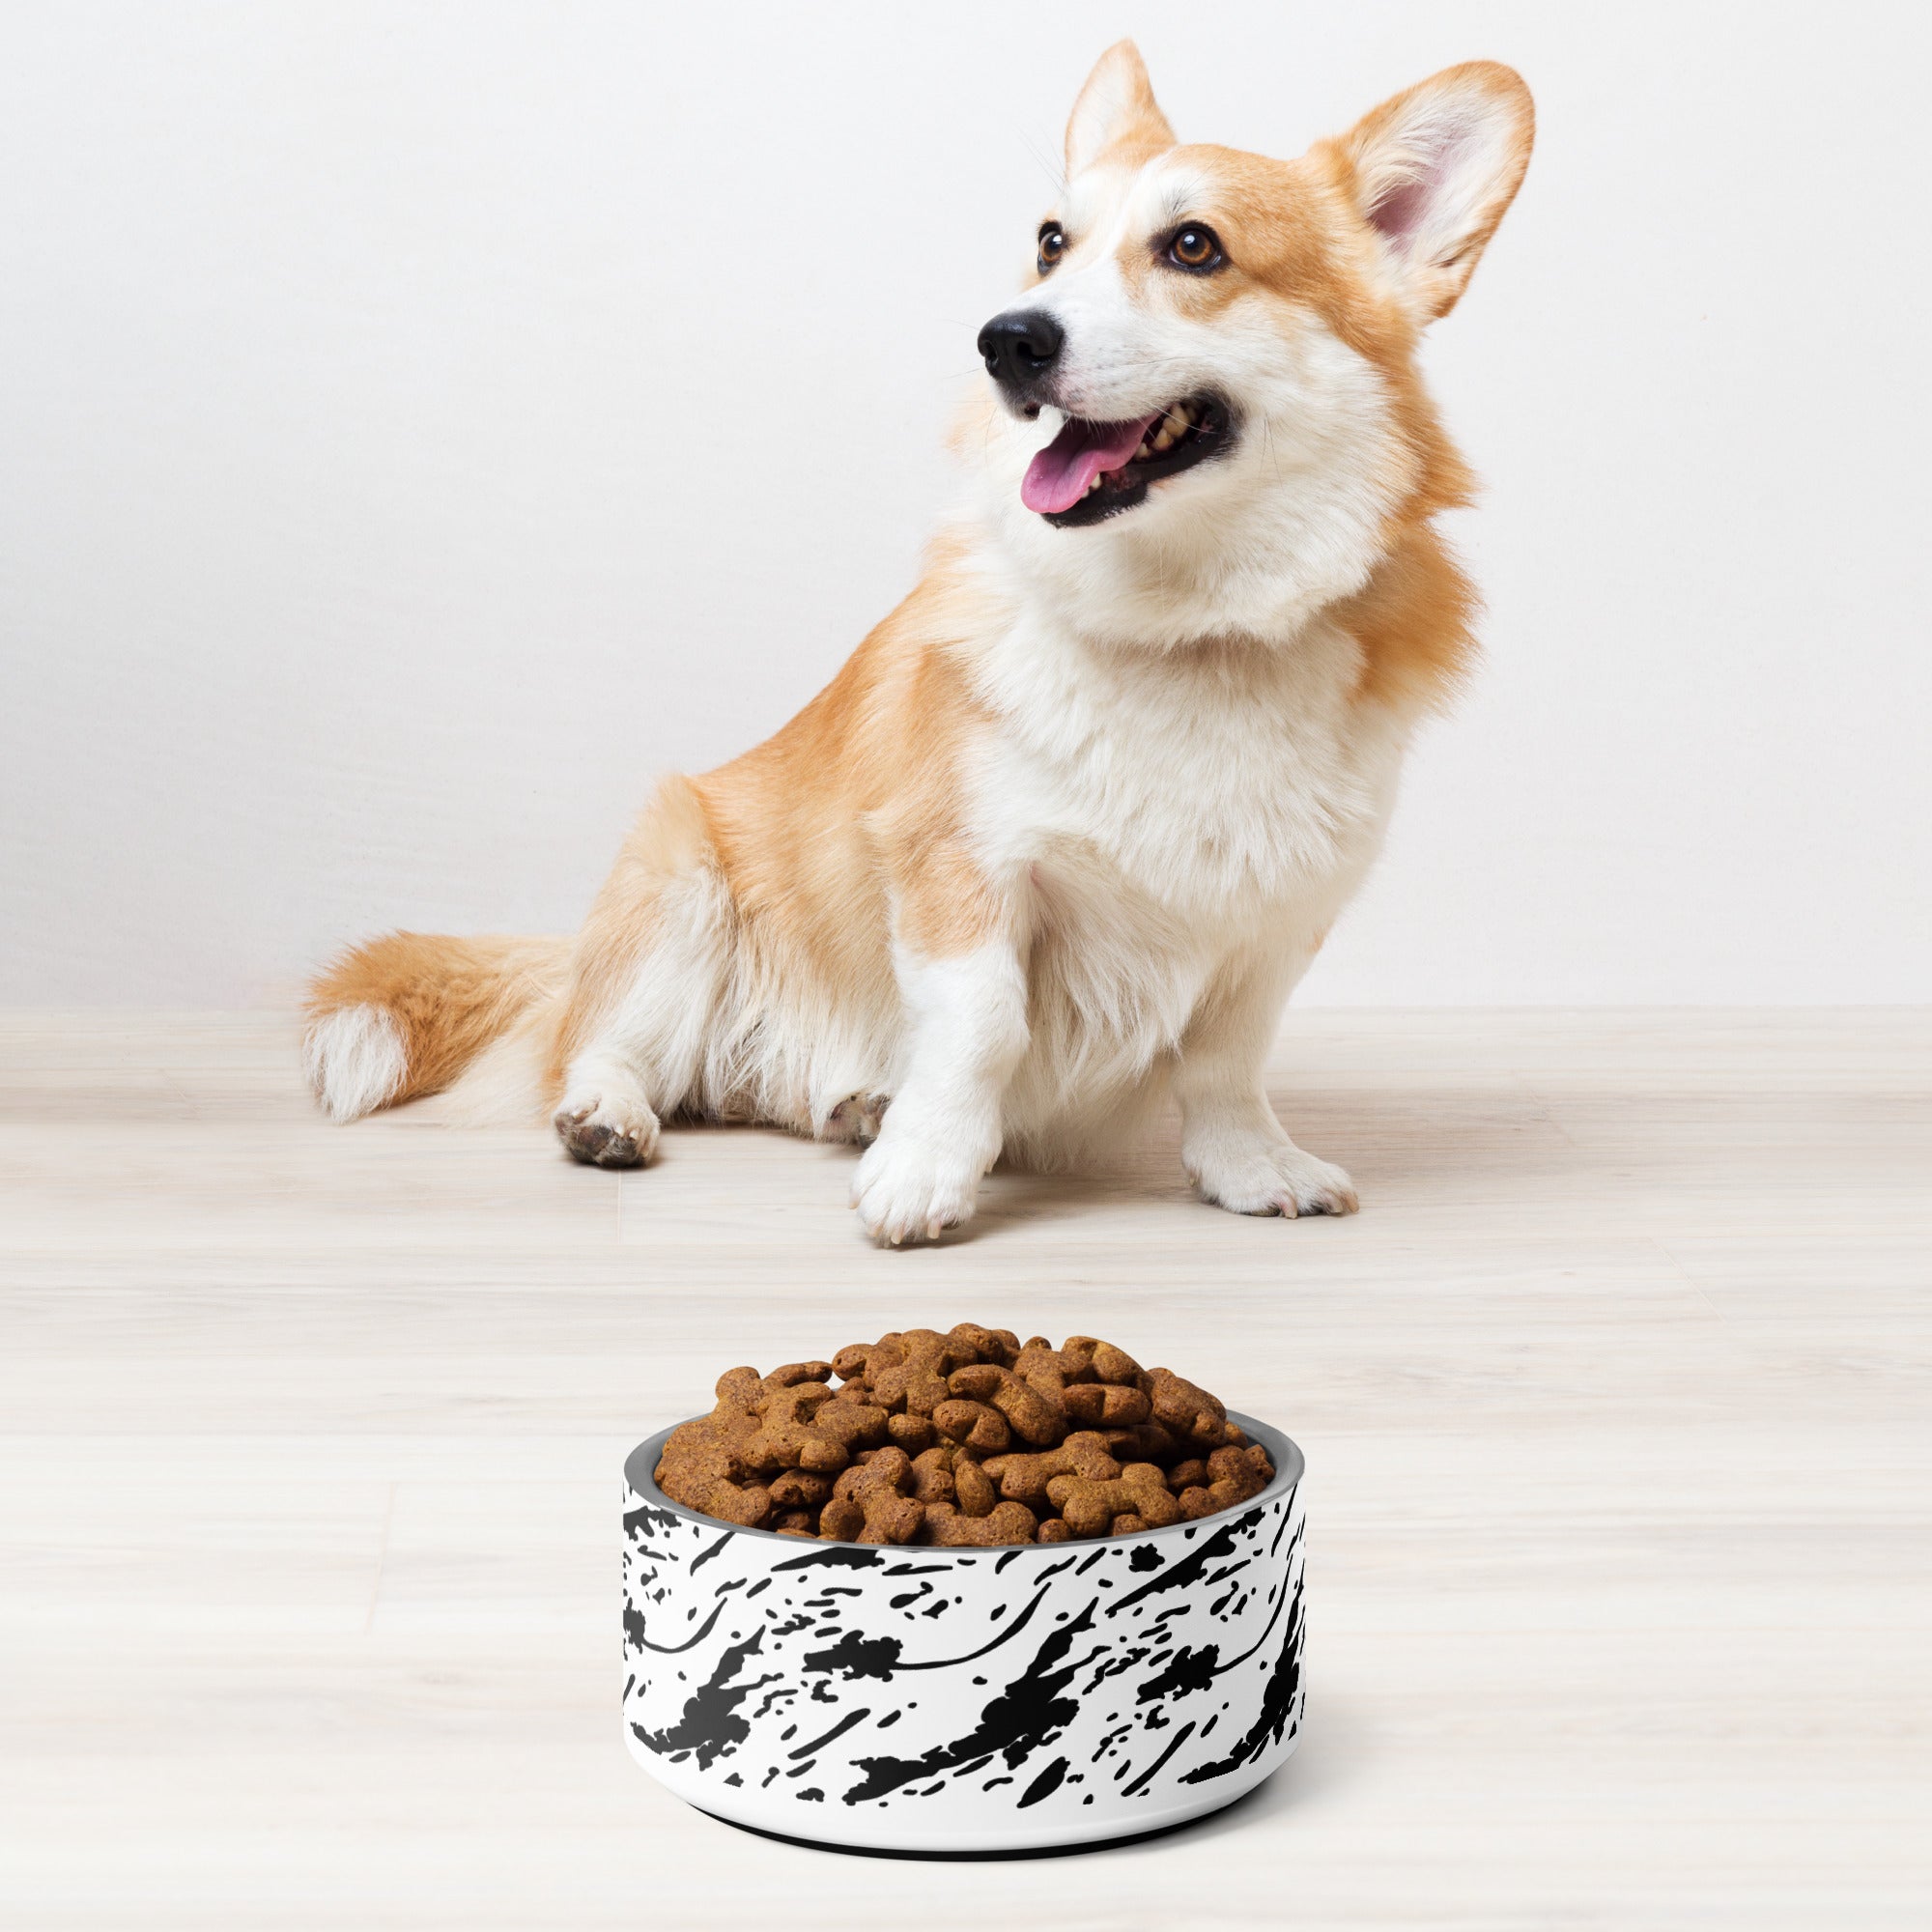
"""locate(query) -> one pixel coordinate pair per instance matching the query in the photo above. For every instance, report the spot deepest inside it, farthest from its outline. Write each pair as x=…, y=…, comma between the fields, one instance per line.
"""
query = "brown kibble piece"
x=973, y=1487
x=852, y=1425
x=913, y=1434
x=1191, y=1412
x=1105, y=1405
x=787, y=1437
x=989, y=1345
x=1008, y=1522
x=1053, y=1530
x=1044, y=1368
x=800, y=1489
x=1101, y=1360
x=852, y=1363
x=705, y=1467
x=1089, y=1507
x=1235, y=1476
x=1023, y=1478
x=1033, y=1418
x=914, y=1372
x=875, y=1490
x=1148, y=1442
x=932, y=1476
x=971, y=1423
x=739, y=1388
x=747, y=1504
x=794, y=1373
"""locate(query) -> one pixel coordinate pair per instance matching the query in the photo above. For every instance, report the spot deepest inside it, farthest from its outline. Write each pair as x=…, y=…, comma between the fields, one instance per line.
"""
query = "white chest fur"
x=1176, y=811
x=1227, y=785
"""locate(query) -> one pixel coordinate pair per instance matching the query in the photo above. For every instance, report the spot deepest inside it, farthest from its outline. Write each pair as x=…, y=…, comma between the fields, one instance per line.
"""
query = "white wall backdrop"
x=419, y=424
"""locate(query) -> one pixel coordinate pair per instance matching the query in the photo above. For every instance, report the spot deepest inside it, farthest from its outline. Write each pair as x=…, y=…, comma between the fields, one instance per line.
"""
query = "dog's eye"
x=1052, y=245
x=1195, y=249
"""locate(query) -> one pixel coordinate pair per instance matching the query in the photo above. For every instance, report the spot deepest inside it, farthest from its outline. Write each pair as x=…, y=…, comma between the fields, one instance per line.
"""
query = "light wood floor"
x=1615, y=1400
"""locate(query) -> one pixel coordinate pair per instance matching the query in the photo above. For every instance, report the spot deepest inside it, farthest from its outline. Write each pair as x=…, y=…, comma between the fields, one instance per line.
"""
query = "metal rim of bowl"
x=1290, y=1465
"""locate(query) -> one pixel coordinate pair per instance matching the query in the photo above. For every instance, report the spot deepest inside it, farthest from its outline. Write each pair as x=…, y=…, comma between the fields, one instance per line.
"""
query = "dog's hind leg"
x=645, y=981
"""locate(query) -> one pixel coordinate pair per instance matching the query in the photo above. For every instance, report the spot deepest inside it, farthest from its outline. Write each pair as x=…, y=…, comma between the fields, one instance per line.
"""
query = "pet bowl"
x=948, y=1702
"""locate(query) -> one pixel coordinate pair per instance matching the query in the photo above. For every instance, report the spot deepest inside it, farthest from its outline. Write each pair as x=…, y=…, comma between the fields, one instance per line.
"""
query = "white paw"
x=607, y=1127
x=905, y=1190
x=1254, y=1176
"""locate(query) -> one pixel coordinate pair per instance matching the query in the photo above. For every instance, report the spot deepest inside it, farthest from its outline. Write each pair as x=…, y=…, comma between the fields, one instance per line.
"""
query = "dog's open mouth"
x=1091, y=470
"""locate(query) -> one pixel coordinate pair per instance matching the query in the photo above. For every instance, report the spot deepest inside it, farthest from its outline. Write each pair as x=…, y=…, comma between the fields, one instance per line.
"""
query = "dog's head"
x=1202, y=412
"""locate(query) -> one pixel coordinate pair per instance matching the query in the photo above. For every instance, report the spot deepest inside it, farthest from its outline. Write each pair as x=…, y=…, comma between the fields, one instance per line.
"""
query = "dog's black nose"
x=1020, y=346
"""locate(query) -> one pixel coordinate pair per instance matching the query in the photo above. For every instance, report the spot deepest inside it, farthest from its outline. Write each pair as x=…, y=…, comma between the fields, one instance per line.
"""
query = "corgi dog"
x=1056, y=844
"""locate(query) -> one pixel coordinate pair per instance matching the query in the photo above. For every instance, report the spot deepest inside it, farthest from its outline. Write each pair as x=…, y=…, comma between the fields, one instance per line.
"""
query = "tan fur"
x=838, y=827
x=448, y=997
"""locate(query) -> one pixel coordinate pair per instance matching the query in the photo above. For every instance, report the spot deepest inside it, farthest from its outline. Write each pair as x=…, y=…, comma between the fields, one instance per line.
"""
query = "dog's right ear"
x=1116, y=111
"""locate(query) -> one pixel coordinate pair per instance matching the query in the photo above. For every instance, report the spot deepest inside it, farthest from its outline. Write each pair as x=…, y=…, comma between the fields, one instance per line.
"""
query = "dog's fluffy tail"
x=404, y=1014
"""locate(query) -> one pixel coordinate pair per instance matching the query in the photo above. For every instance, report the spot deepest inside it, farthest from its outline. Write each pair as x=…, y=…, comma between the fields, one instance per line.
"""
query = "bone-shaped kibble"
x=852, y=1363
x=971, y=1423
x=787, y=1437
x=1008, y=1522
x=747, y=1504
x=1023, y=1478
x=853, y=1425
x=1191, y=1412
x=870, y=1504
x=1043, y=1368
x=914, y=1377
x=1234, y=1476
x=746, y=1400
x=1105, y=1405
x=1071, y=1380
x=1034, y=1417
x=711, y=1452
x=1089, y=1507
x=747, y=1389
x=800, y=1489
x=1100, y=1360
x=1148, y=1441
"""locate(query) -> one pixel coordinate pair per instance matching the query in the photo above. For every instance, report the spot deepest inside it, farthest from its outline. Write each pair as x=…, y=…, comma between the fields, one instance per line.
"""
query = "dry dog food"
x=969, y=1437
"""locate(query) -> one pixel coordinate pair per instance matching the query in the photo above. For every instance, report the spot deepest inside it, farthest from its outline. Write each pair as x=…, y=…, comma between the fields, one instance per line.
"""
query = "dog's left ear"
x=1115, y=109
x=1433, y=172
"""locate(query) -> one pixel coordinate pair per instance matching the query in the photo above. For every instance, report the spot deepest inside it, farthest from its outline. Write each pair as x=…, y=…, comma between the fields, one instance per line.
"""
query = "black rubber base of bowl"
x=981, y=1858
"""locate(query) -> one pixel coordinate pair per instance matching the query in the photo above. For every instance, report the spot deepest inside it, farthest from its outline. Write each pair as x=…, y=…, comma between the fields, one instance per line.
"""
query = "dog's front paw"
x=905, y=1190
x=1253, y=1175
x=604, y=1128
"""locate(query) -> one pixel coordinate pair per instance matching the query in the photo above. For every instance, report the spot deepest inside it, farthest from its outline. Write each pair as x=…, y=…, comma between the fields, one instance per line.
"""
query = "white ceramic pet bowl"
x=962, y=1702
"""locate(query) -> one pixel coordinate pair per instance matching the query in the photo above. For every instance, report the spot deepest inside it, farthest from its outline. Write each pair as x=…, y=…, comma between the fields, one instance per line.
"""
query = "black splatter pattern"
x=1135, y=1668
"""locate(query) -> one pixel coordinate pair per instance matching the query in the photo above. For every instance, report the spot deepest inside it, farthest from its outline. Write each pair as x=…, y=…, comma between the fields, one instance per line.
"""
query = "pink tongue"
x=1057, y=478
